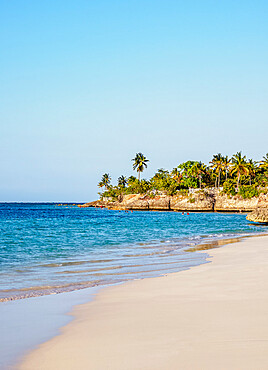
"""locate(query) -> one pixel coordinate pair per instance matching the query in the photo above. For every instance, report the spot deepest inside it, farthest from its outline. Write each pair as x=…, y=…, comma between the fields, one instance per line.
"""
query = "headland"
x=195, y=200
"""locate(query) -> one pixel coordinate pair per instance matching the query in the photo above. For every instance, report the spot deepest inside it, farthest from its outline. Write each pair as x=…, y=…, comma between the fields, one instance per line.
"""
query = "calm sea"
x=46, y=249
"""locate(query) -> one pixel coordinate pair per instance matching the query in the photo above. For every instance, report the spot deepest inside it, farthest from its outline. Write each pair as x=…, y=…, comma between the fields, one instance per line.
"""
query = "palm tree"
x=217, y=164
x=239, y=166
x=176, y=174
x=105, y=181
x=199, y=169
x=251, y=169
x=264, y=162
x=140, y=161
x=122, y=181
x=131, y=179
x=226, y=165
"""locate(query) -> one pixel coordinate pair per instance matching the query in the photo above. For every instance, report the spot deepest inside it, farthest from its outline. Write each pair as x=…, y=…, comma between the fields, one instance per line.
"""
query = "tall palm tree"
x=239, y=166
x=140, y=162
x=176, y=174
x=226, y=165
x=122, y=181
x=251, y=169
x=105, y=181
x=198, y=170
x=217, y=164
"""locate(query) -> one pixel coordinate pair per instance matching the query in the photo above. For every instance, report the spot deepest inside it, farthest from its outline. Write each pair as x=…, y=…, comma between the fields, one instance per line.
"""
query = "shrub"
x=113, y=192
x=229, y=187
x=248, y=191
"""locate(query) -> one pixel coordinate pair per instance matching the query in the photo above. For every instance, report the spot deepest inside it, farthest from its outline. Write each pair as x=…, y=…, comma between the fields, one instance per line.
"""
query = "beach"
x=134, y=190
x=212, y=316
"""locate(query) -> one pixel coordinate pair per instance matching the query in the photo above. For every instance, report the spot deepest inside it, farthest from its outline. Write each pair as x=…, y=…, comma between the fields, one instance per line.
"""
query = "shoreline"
x=117, y=323
x=197, y=200
x=64, y=304
x=26, y=323
x=206, y=242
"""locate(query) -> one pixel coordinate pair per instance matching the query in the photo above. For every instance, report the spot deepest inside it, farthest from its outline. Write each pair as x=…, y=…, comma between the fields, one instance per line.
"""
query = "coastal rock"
x=259, y=215
x=139, y=204
x=263, y=201
x=227, y=203
x=205, y=200
x=161, y=203
x=134, y=202
x=199, y=201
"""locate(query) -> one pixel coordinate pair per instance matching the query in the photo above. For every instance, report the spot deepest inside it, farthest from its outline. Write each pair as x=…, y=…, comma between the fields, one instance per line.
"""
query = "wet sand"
x=25, y=323
x=213, y=316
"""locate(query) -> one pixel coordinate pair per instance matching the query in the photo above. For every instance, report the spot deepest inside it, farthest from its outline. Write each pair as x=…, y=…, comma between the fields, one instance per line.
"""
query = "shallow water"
x=26, y=323
x=45, y=248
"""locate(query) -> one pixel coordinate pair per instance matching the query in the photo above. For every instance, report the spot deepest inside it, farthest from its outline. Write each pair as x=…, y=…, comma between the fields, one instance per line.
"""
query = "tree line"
x=234, y=175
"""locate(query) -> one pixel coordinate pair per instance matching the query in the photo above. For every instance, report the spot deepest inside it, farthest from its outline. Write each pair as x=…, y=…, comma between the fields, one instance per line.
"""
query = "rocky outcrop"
x=225, y=203
x=160, y=203
x=207, y=200
x=260, y=215
x=198, y=201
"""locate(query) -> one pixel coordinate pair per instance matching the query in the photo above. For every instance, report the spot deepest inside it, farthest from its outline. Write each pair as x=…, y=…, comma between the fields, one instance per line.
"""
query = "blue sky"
x=85, y=85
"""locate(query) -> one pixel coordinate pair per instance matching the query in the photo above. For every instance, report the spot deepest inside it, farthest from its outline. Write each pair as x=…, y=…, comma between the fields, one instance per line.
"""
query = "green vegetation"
x=217, y=165
x=105, y=181
x=139, y=163
x=233, y=176
x=239, y=167
x=248, y=191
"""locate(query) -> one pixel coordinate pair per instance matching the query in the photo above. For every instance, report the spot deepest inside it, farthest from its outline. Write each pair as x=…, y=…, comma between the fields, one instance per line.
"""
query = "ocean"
x=47, y=249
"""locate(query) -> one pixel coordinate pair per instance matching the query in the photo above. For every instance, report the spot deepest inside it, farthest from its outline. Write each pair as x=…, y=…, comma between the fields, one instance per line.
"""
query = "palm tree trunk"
x=216, y=181
x=199, y=176
x=238, y=180
x=139, y=175
x=250, y=180
x=219, y=182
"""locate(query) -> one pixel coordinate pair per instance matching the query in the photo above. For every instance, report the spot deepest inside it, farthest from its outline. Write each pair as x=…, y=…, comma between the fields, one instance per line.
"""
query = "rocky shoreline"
x=259, y=215
x=207, y=200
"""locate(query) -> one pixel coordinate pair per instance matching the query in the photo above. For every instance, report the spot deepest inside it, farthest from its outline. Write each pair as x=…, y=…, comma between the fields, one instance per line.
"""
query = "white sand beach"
x=213, y=316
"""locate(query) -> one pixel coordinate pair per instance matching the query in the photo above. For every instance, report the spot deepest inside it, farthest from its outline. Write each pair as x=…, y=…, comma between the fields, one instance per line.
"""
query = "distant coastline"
x=235, y=184
x=195, y=200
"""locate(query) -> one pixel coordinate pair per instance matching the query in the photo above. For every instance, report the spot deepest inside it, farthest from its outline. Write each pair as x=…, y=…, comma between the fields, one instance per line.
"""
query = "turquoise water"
x=45, y=248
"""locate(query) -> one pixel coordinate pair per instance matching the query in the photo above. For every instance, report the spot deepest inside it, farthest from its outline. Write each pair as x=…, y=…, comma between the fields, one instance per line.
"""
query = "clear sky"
x=85, y=84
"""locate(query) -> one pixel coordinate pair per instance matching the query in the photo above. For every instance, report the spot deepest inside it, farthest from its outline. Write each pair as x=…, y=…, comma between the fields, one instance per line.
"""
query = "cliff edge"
x=207, y=200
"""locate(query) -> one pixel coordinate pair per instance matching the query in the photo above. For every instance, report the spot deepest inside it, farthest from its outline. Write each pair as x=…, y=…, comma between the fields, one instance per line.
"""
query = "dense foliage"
x=235, y=175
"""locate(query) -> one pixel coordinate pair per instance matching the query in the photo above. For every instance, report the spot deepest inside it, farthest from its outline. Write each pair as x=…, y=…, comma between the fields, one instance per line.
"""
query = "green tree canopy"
x=218, y=165
x=140, y=162
x=122, y=181
x=105, y=181
x=239, y=166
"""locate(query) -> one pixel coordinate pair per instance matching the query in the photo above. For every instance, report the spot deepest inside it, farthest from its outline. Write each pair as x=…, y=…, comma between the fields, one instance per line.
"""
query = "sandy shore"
x=214, y=316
